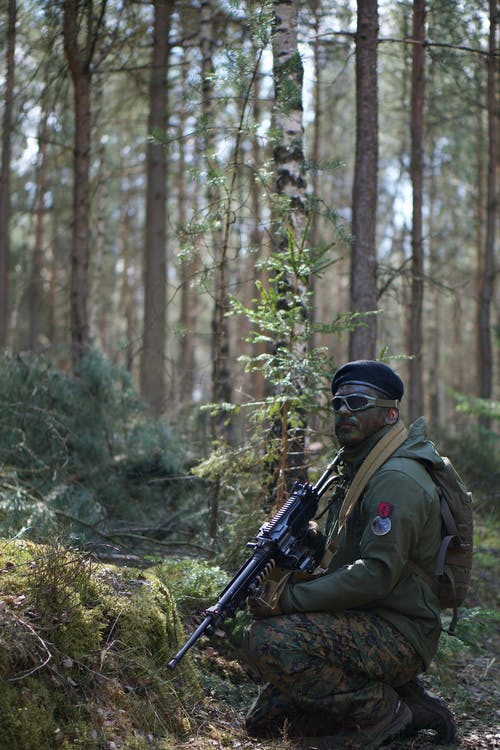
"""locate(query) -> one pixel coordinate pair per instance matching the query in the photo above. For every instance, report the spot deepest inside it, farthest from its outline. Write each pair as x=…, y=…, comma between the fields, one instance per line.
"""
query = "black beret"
x=371, y=373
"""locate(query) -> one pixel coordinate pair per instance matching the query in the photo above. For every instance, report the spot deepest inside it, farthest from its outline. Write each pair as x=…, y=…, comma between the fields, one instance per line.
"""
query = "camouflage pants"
x=338, y=666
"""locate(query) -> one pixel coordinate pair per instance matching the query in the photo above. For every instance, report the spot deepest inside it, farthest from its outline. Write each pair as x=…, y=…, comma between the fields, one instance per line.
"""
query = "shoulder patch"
x=384, y=509
x=381, y=525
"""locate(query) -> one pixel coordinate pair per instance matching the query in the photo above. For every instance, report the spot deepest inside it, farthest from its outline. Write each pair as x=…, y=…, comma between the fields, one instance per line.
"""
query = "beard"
x=347, y=430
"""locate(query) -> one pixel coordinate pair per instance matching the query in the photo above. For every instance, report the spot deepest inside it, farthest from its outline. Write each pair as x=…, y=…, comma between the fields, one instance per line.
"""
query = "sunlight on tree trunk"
x=415, y=335
x=291, y=226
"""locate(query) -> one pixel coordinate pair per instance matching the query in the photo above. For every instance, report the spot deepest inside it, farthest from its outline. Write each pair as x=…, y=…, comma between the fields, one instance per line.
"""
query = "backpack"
x=454, y=562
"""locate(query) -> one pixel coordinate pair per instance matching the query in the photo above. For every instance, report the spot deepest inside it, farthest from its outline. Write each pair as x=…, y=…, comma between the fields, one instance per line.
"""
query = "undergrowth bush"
x=80, y=454
x=476, y=456
x=194, y=584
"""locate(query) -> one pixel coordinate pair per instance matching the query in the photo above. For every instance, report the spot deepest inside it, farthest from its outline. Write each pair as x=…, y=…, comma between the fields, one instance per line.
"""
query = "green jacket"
x=396, y=520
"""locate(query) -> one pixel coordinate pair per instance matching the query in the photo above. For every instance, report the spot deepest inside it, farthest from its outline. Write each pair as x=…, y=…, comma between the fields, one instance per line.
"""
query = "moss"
x=27, y=719
x=83, y=654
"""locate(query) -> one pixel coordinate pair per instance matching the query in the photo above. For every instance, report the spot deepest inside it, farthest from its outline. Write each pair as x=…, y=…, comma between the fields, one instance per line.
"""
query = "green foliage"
x=480, y=407
x=280, y=319
x=474, y=632
x=53, y=424
x=476, y=626
x=79, y=456
x=281, y=325
x=194, y=585
x=476, y=454
x=297, y=376
x=21, y=510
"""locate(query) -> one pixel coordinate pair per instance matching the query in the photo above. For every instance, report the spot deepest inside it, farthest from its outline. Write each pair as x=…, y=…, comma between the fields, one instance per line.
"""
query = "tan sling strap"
x=374, y=460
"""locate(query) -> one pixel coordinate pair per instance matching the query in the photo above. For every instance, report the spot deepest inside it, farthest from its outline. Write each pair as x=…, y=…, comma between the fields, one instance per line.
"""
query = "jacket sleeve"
x=379, y=558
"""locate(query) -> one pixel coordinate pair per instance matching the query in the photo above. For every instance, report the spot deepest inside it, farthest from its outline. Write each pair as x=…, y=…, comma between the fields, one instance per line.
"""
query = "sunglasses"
x=360, y=401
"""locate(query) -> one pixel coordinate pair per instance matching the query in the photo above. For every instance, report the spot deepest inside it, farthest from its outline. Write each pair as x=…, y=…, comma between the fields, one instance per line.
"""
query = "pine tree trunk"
x=189, y=301
x=36, y=282
x=363, y=340
x=5, y=201
x=79, y=60
x=487, y=276
x=153, y=376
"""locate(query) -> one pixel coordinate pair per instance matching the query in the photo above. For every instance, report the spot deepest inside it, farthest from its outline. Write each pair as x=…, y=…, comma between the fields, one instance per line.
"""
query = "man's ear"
x=392, y=415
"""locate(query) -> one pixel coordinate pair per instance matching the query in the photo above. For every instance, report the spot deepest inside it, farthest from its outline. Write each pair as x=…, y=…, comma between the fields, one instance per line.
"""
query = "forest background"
x=204, y=210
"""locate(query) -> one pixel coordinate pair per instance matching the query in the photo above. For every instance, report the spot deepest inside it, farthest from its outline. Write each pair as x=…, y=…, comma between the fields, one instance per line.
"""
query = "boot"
x=362, y=737
x=429, y=711
x=270, y=717
x=267, y=715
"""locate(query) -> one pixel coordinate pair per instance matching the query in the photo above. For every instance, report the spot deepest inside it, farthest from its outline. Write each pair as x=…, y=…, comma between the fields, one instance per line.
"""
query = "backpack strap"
x=379, y=454
x=433, y=582
x=441, y=569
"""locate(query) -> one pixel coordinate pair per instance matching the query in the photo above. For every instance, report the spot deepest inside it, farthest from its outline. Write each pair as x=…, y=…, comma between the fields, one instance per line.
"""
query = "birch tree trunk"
x=316, y=139
x=290, y=231
x=153, y=377
x=363, y=340
x=5, y=202
x=415, y=331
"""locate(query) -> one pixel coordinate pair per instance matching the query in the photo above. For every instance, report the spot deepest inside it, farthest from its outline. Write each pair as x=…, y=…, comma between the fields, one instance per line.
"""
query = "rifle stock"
x=278, y=542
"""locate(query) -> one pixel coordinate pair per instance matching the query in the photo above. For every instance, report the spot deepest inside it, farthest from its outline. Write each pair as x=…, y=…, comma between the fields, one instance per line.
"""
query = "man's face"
x=352, y=427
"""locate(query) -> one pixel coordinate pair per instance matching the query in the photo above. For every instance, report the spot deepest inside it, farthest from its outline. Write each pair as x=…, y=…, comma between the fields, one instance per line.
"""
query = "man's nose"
x=343, y=407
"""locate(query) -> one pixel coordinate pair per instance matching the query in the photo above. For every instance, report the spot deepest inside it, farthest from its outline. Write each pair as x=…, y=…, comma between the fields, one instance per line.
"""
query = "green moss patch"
x=84, y=649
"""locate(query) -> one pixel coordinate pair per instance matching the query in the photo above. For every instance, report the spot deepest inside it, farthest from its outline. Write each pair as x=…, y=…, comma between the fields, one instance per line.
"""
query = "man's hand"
x=266, y=602
x=315, y=540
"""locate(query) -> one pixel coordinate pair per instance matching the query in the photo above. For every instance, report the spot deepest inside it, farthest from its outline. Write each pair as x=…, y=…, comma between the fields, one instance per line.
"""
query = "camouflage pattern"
x=327, y=667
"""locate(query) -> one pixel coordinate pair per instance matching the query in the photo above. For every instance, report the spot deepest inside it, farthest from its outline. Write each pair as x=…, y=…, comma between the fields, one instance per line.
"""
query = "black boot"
x=429, y=711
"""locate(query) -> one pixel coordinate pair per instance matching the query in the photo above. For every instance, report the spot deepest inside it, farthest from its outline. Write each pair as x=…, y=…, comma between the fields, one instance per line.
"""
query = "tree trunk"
x=258, y=384
x=188, y=269
x=487, y=271
x=416, y=172
x=5, y=200
x=290, y=231
x=434, y=385
x=36, y=283
x=315, y=149
x=221, y=383
x=129, y=282
x=80, y=64
x=155, y=252
x=221, y=380
x=363, y=340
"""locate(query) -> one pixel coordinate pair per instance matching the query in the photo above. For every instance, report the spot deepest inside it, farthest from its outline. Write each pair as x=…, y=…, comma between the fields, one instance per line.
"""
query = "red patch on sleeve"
x=385, y=509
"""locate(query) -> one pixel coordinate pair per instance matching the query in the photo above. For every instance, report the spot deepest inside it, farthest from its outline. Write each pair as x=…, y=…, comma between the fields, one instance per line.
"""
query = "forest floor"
x=469, y=680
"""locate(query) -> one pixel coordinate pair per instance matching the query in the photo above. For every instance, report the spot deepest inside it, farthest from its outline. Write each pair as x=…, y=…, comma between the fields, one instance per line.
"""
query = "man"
x=340, y=652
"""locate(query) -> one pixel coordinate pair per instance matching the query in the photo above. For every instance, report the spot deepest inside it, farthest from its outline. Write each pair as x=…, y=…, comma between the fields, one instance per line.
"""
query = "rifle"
x=279, y=541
